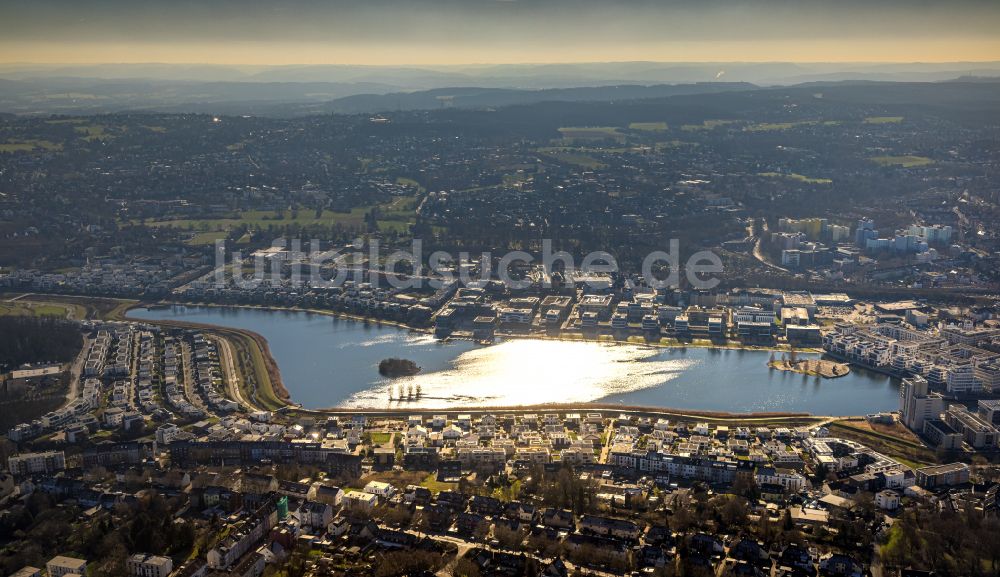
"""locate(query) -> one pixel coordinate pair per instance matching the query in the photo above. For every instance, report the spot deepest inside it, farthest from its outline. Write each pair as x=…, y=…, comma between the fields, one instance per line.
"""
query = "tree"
x=733, y=512
x=819, y=475
x=786, y=522
x=509, y=538
x=464, y=567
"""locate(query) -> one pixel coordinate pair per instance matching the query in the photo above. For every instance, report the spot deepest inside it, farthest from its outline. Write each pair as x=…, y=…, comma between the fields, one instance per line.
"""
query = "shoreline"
x=281, y=393
x=583, y=408
x=700, y=343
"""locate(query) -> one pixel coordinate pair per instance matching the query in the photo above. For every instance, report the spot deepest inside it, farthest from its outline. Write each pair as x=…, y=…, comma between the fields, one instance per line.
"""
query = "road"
x=76, y=371
x=759, y=254
x=227, y=360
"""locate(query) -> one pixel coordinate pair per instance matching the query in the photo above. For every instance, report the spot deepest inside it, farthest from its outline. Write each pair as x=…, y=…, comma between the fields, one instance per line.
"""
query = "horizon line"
x=522, y=63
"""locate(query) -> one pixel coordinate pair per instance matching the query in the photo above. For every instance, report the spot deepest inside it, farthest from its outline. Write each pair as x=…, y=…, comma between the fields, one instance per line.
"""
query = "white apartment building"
x=141, y=565
x=59, y=566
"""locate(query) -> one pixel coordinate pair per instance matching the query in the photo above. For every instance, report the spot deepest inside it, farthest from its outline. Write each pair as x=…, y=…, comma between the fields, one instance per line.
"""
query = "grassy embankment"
x=907, y=451
x=71, y=306
x=266, y=390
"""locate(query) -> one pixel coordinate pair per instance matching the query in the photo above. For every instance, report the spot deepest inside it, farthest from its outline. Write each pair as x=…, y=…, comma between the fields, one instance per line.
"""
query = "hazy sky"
x=496, y=31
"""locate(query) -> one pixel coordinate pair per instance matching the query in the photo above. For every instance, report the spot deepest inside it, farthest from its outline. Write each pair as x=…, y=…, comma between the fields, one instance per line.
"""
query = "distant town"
x=855, y=230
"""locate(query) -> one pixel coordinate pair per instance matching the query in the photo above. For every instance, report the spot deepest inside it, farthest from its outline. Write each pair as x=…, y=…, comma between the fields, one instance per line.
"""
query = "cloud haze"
x=496, y=31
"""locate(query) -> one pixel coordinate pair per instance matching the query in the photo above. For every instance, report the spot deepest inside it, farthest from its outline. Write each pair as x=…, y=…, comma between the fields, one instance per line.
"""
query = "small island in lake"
x=812, y=367
x=397, y=368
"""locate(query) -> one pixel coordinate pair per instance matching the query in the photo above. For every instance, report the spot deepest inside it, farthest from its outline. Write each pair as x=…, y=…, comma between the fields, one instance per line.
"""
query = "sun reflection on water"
x=523, y=372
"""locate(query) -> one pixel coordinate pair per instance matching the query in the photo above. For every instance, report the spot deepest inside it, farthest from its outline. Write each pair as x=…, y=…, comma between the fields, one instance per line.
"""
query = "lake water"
x=327, y=361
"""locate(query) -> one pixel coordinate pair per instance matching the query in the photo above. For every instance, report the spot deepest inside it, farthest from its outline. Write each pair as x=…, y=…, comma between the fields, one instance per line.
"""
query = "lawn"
x=798, y=177
x=49, y=311
x=673, y=144
x=913, y=454
x=204, y=238
x=590, y=132
x=648, y=126
x=91, y=132
x=576, y=159
x=883, y=120
x=381, y=438
x=82, y=307
x=13, y=310
x=397, y=214
x=706, y=125
x=770, y=126
x=27, y=309
x=29, y=145
x=431, y=482
x=906, y=161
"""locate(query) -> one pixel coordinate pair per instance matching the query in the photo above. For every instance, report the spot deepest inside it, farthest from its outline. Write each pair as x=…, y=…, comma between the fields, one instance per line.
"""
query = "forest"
x=36, y=340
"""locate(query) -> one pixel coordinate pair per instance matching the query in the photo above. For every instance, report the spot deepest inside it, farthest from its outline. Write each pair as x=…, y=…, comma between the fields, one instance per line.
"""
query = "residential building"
x=142, y=565
x=943, y=475
x=887, y=499
x=916, y=405
x=357, y=499
x=59, y=566
x=36, y=463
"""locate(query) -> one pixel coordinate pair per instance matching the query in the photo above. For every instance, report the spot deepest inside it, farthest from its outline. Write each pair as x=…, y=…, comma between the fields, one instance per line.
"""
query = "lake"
x=333, y=362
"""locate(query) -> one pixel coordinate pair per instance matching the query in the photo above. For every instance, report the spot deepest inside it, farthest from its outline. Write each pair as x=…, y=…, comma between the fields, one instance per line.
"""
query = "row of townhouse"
x=97, y=354
x=148, y=366
x=173, y=375
x=243, y=536
x=208, y=373
x=703, y=467
x=251, y=450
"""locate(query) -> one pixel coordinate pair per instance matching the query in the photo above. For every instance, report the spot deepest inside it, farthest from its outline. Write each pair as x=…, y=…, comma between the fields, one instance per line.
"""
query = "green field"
x=883, y=120
x=205, y=238
x=29, y=145
x=794, y=176
x=25, y=308
x=566, y=156
x=906, y=161
x=673, y=144
x=771, y=126
x=591, y=132
x=706, y=125
x=648, y=126
x=91, y=132
x=397, y=214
